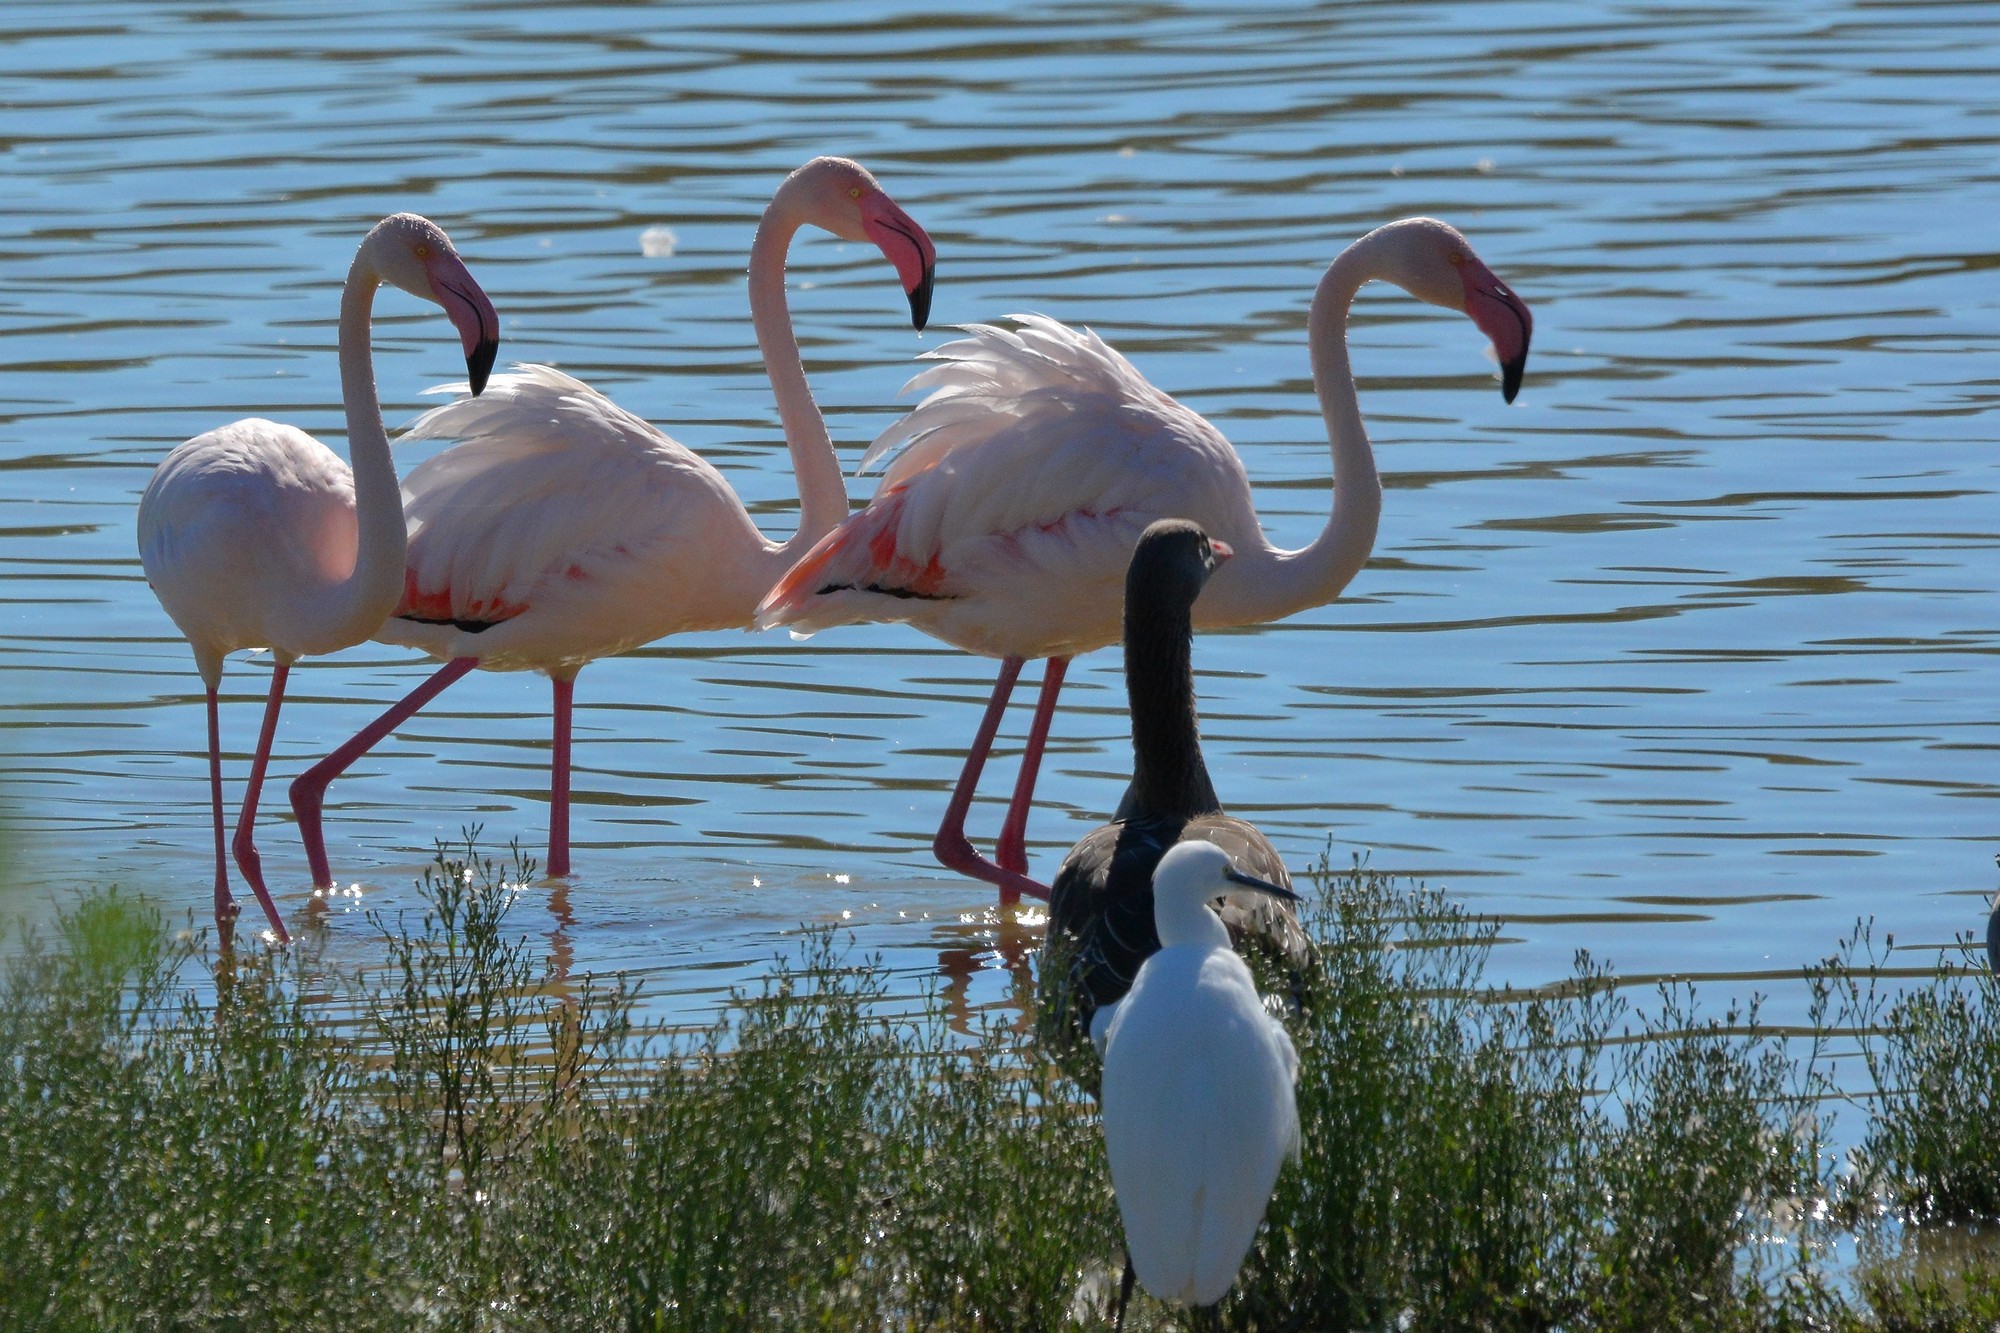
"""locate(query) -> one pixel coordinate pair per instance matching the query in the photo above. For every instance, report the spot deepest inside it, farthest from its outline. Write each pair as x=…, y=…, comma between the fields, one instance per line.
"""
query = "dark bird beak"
x=1235, y=876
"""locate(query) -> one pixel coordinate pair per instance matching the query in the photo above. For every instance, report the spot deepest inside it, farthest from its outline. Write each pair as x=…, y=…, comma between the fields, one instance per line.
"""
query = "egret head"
x=1191, y=876
x=413, y=253
x=843, y=197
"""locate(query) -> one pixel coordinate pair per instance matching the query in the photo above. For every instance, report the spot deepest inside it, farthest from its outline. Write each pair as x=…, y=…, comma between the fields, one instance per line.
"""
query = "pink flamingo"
x=561, y=528
x=1006, y=524
x=256, y=535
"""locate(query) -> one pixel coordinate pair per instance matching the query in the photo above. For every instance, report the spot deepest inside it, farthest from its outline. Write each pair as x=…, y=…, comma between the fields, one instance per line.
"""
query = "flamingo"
x=1199, y=1109
x=562, y=528
x=1027, y=475
x=1101, y=905
x=256, y=535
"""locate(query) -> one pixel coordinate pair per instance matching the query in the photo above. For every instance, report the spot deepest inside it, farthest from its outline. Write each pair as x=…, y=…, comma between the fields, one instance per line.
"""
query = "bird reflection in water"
x=999, y=938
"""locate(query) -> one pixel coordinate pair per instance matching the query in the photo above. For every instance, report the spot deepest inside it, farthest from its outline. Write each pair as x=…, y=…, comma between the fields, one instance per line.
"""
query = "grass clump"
x=1932, y=1150
x=1480, y=1158
x=459, y=1140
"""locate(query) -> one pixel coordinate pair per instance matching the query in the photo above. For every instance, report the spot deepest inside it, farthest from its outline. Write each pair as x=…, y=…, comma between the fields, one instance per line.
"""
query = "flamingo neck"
x=366, y=598
x=822, y=492
x=1271, y=584
x=1169, y=777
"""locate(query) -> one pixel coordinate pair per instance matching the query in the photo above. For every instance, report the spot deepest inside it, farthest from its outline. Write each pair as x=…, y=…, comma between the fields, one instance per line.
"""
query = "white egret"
x=1197, y=1091
x=1993, y=931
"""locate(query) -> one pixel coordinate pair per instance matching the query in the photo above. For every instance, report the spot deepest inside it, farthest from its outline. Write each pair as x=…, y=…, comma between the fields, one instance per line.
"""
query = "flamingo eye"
x=1455, y=258
x=422, y=251
x=854, y=193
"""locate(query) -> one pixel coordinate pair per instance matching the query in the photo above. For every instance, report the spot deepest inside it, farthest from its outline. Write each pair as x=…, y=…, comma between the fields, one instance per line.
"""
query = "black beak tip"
x=479, y=364
x=920, y=298
x=1510, y=376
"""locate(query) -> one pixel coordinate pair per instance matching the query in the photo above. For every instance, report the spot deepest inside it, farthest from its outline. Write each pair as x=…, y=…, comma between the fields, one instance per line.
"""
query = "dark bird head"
x=1172, y=562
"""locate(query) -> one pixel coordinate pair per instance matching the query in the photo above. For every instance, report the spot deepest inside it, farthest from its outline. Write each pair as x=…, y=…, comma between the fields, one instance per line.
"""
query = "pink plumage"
x=256, y=535
x=560, y=528
x=1005, y=523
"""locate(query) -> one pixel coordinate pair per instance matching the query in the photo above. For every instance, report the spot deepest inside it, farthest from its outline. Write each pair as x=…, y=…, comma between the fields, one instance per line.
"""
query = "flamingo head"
x=413, y=253
x=1172, y=561
x=1434, y=262
x=845, y=198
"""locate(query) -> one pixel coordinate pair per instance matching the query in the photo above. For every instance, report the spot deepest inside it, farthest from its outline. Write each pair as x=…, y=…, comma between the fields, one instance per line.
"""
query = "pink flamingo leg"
x=950, y=846
x=225, y=902
x=245, y=846
x=1012, y=851
x=309, y=788
x=559, y=779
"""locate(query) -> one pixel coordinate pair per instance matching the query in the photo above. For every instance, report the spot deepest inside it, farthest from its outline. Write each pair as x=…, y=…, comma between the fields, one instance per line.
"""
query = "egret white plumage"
x=256, y=535
x=1101, y=903
x=1026, y=476
x=1199, y=1111
x=560, y=528
x=1993, y=931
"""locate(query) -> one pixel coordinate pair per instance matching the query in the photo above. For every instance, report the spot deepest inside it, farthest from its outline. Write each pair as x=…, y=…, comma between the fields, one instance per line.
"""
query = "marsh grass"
x=473, y=1146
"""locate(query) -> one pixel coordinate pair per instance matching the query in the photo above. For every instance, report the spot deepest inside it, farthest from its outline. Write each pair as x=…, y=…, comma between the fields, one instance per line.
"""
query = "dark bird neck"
x=1169, y=778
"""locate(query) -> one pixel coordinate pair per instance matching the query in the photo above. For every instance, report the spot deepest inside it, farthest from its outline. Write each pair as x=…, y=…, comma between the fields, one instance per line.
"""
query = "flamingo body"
x=543, y=549
x=243, y=530
x=1005, y=524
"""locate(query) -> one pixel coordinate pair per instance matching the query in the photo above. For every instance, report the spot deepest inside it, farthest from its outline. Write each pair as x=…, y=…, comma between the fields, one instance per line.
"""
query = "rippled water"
x=1687, y=657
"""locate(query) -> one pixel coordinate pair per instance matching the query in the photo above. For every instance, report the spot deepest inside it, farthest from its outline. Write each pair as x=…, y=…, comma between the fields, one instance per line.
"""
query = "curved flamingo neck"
x=360, y=604
x=1267, y=585
x=822, y=493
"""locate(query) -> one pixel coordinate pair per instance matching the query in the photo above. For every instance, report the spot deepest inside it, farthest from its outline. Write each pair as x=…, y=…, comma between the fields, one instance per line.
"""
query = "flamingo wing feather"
x=548, y=479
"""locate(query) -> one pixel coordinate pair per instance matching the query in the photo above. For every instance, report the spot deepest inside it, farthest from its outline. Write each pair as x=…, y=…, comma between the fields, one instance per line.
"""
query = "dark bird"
x=1101, y=921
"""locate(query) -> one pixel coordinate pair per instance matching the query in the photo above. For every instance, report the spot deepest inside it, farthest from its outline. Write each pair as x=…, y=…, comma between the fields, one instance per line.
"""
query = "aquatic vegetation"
x=458, y=1141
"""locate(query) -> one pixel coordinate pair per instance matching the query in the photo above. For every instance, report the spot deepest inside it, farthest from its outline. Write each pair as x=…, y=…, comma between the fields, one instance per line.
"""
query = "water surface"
x=1687, y=657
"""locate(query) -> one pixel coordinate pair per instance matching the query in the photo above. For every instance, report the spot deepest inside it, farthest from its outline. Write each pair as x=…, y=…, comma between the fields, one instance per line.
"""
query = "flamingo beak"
x=907, y=246
x=1235, y=876
x=1501, y=316
x=465, y=303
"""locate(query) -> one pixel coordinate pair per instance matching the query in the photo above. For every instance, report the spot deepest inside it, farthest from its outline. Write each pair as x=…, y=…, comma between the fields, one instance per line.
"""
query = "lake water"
x=1688, y=657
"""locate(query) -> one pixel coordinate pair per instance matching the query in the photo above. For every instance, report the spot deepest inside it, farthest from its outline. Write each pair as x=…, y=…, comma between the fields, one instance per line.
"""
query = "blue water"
x=1687, y=657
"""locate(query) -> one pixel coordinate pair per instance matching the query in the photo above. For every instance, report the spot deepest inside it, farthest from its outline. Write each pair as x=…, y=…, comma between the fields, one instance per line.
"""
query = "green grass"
x=454, y=1142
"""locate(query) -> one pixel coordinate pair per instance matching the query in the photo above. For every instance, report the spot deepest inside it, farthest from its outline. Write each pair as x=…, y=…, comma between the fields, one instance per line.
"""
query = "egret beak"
x=1235, y=876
